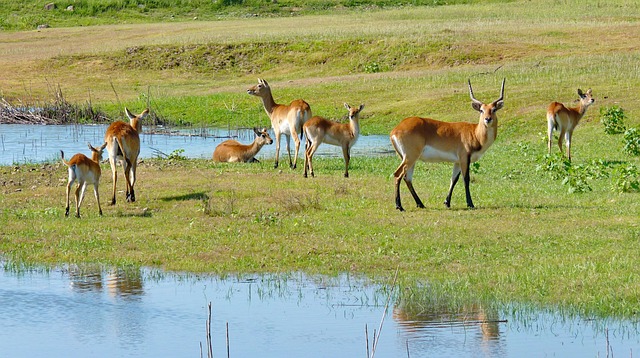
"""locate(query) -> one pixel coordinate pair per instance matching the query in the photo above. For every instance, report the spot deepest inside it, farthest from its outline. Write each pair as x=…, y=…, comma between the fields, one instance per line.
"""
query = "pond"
x=20, y=143
x=92, y=311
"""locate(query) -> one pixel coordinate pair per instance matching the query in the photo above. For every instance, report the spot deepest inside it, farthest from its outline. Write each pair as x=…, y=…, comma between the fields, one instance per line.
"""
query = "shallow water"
x=81, y=312
x=37, y=143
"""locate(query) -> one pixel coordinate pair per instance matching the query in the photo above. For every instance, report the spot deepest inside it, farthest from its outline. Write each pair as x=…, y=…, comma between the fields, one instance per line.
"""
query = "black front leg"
x=467, y=179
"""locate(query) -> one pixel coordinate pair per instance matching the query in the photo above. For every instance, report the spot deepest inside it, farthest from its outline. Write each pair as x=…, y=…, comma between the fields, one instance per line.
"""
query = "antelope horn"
x=501, y=92
x=471, y=94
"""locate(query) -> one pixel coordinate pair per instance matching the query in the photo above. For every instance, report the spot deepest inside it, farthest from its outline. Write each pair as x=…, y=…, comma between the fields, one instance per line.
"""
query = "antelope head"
x=487, y=111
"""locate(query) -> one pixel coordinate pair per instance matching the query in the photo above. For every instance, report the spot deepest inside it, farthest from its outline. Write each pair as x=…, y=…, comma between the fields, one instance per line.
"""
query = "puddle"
x=89, y=311
x=37, y=143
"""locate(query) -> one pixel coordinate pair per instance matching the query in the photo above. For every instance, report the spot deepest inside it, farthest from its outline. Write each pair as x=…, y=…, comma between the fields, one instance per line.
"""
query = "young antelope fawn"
x=565, y=119
x=233, y=151
x=86, y=171
x=319, y=130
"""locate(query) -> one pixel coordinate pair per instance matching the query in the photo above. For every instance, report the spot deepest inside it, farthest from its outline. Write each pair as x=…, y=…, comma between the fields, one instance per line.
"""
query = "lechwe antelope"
x=86, y=171
x=233, y=151
x=123, y=145
x=429, y=140
x=287, y=120
x=566, y=119
x=319, y=130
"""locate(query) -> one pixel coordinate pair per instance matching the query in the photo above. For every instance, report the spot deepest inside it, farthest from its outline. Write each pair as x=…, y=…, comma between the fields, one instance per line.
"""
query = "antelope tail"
x=124, y=155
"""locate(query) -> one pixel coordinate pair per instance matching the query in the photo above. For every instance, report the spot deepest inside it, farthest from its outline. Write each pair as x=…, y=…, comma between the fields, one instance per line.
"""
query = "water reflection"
x=95, y=311
x=117, y=282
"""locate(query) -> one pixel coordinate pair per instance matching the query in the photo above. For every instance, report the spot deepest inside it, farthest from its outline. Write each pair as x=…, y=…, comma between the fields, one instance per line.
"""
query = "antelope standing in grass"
x=287, y=120
x=123, y=145
x=566, y=119
x=319, y=130
x=233, y=151
x=86, y=171
x=429, y=140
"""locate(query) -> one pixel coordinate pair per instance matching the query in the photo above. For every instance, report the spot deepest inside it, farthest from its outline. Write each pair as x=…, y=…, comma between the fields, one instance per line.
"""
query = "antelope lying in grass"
x=319, y=130
x=233, y=151
x=86, y=171
x=287, y=120
x=566, y=119
x=429, y=140
x=123, y=145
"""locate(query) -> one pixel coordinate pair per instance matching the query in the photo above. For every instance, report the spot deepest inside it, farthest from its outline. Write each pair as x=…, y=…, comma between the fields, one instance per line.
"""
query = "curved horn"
x=471, y=94
x=501, y=93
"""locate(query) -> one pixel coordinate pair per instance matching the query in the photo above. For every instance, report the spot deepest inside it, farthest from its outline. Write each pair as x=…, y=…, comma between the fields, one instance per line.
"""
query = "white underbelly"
x=284, y=128
x=430, y=154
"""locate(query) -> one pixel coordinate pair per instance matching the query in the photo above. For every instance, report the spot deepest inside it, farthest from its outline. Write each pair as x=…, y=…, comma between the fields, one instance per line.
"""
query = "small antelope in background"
x=319, y=130
x=566, y=119
x=123, y=145
x=287, y=120
x=86, y=171
x=233, y=151
x=429, y=140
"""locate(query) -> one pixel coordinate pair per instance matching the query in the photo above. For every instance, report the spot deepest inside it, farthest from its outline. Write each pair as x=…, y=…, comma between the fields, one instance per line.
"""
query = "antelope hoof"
x=346, y=175
x=304, y=175
x=447, y=204
x=66, y=212
x=420, y=206
x=275, y=166
x=78, y=216
x=400, y=208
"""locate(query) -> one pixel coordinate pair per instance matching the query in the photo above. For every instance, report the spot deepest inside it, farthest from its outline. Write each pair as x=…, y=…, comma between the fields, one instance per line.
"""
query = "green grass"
x=27, y=15
x=530, y=240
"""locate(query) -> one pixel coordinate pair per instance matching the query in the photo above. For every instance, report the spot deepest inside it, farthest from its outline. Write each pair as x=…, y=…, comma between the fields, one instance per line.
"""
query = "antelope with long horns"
x=460, y=143
x=233, y=151
x=319, y=130
x=123, y=145
x=287, y=120
x=85, y=171
x=565, y=119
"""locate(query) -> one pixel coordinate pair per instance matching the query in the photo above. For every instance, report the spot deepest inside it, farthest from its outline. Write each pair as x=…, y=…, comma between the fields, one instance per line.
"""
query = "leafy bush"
x=613, y=119
x=626, y=179
x=632, y=141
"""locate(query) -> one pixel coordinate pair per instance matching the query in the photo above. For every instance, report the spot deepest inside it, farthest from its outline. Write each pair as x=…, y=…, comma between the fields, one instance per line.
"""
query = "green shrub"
x=632, y=141
x=613, y=119
x=626, y=179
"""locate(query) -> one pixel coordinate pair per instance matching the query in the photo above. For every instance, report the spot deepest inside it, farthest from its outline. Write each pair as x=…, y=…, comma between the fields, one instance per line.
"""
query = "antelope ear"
x=589, y=91
x=90, y=147
x=580, y=93
x=103, y=146
x=128, y=113
x=347, y=106
x=144, y=113
x=498, y=105
x=361, y=107
x=477, y=106
x=256, y=131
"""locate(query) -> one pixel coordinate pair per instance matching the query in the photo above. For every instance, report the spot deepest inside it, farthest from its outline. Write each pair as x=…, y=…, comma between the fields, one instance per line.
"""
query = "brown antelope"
x=429, y=140
x=123, y=145
x=566, y=119
x=86, y=171
x=319, y=130
x=287, y=120
x=233, y=151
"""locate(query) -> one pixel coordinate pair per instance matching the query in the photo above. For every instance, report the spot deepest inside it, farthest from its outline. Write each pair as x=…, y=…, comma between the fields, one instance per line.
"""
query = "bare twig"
x=376, y=338
x=210, y=347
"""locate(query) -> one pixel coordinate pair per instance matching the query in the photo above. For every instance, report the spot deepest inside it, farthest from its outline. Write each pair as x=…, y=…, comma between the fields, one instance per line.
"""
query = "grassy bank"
x=529, y=241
